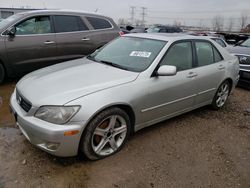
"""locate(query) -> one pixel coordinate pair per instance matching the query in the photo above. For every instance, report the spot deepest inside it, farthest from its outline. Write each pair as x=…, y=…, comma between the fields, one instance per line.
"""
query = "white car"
x=93, y=104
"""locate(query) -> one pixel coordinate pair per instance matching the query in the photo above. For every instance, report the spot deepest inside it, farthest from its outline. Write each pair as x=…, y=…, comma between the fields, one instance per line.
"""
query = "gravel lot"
x=203, y=148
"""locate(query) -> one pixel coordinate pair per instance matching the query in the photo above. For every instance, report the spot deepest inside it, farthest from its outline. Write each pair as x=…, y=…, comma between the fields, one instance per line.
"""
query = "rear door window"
x=99, y=23
x=68, y=24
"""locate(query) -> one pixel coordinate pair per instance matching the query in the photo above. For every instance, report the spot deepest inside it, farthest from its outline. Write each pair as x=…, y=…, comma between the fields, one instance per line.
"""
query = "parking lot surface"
x=203, y=148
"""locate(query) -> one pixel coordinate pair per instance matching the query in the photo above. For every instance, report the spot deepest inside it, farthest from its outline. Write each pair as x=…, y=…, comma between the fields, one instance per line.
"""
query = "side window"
x=35, y=25
x=204, y=51
x=217, y=55
x=69, y=24
x=99, y=23
x=179, y=55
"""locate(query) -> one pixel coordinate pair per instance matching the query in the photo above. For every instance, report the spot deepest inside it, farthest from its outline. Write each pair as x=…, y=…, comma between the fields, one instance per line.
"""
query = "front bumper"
x=244, y=76
x=47, y=136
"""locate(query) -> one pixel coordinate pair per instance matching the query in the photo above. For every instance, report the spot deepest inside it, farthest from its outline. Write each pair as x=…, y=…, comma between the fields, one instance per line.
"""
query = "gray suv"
x=35, y=39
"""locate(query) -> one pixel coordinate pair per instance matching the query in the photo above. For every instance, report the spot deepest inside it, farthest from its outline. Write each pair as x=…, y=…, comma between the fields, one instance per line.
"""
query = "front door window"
x=35, y=25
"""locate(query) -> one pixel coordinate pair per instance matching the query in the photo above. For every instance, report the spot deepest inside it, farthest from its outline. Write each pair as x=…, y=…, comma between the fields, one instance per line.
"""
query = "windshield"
x=129, y=53
x=246, y=43
x=8, y=20
x=153, y=30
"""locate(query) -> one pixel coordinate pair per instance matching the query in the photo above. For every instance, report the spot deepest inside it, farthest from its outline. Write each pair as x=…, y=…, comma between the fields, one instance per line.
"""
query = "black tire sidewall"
x=214, y=104
x=2, y=73
x=85, y=145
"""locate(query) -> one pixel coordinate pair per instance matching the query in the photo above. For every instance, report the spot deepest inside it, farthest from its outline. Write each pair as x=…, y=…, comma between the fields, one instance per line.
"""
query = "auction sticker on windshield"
x=140, y=54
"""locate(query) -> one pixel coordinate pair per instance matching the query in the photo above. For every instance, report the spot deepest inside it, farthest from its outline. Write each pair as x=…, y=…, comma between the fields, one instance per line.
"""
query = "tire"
x=106, y=134
x=221, y=95
x=2, y=73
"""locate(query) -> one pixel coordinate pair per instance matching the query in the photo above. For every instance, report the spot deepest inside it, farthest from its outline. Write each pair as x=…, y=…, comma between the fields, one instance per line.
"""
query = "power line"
x=132, y=12
x=176, y=18
x=143, y=14
x=198, y=12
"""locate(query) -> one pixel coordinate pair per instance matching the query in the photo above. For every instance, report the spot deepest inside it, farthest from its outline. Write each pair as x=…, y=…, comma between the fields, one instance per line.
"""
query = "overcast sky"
x=189, y=12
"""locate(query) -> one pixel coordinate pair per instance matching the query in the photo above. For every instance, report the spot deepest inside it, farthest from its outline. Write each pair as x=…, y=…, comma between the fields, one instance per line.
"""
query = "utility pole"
x=132, y=12
x=143, y=15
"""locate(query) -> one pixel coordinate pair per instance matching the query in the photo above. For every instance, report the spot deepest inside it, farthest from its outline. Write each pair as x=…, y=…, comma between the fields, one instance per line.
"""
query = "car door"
x=102, y=31
x=210, y=71
x=71, y=37
x=170, y=95
x=33, y=45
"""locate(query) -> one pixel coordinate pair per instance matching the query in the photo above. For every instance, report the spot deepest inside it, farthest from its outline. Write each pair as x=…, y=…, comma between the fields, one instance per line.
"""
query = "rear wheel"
x=2, y=73
x=105, y=134
x=221, y=95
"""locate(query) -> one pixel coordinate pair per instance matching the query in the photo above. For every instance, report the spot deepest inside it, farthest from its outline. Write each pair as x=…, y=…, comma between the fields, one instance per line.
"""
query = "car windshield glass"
x=246, y=43
x=153, y=30
x=8, y=20
x=129, y=53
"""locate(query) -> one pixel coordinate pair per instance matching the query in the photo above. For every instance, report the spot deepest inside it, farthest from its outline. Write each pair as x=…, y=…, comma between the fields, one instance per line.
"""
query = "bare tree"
x=218, y=23
x=230, y=24
x=243, y=20
x=122, y=22
x=177, y=23
x=138, y=22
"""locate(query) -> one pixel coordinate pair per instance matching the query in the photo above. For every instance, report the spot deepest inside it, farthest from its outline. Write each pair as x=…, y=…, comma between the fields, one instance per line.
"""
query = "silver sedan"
x=93, y=104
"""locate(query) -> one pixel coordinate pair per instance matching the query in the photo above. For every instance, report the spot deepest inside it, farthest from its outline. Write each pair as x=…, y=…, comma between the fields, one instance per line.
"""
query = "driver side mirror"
x=167, y=70
x=11, y=31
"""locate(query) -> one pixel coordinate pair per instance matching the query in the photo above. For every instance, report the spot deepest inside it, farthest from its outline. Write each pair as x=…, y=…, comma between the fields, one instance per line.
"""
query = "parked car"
x=35, y=39
x=138, y=30
x=124, y=30
x=242, y=51
x=164, y=29
x=93, y=104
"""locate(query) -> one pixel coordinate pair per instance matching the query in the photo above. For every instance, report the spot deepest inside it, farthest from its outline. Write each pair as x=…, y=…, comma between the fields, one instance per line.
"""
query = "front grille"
x=25, y=105
x=244, y=59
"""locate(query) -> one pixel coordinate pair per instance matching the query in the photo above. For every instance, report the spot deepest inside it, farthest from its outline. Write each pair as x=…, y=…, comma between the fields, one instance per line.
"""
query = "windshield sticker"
x=140, y=54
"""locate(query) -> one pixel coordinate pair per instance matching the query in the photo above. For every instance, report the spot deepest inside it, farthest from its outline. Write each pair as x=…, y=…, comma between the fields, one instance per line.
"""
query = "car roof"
x=166, y=36
x=61, y=11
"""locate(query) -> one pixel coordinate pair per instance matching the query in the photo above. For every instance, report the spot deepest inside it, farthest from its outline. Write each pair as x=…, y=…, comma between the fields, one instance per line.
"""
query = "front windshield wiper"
x=106, y=62
x=112, y=64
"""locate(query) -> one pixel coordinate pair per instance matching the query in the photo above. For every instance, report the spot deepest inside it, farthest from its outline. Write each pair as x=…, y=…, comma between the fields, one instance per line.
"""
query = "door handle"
x=85, y=39
x=221, y=67
x=192, y=75
x=49, y=42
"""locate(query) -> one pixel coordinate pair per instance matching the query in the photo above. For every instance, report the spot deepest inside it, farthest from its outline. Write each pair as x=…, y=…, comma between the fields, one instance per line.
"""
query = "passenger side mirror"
x=167, y=70
x=11, y=31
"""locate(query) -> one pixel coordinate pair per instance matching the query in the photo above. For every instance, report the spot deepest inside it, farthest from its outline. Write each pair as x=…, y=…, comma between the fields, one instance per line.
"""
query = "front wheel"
x=105, y=134
x=221, y=95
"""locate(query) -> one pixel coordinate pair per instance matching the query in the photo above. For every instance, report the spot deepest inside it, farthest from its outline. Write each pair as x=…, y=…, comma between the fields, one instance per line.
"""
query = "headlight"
x=56, y=114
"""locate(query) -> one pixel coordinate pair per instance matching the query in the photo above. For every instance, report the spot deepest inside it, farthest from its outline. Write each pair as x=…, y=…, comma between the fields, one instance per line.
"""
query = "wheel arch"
x=124, y=106
x=4, y=67
x=230, y=80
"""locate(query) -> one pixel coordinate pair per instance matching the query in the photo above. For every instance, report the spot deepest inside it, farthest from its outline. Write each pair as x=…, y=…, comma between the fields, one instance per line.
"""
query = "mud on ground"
x=203, y=148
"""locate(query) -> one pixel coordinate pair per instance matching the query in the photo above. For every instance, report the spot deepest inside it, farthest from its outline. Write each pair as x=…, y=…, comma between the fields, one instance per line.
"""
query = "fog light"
x=52, y=146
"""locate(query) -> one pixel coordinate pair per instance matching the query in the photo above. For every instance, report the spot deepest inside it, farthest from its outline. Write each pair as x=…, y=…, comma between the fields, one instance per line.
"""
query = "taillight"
x=121, y=33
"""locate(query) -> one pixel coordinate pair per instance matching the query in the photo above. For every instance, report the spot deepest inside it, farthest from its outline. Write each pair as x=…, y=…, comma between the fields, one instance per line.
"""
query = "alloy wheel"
x=109, y=135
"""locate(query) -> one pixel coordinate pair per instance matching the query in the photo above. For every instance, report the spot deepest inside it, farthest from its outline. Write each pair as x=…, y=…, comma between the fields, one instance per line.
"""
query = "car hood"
x=64, y=82
x=240, y=50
